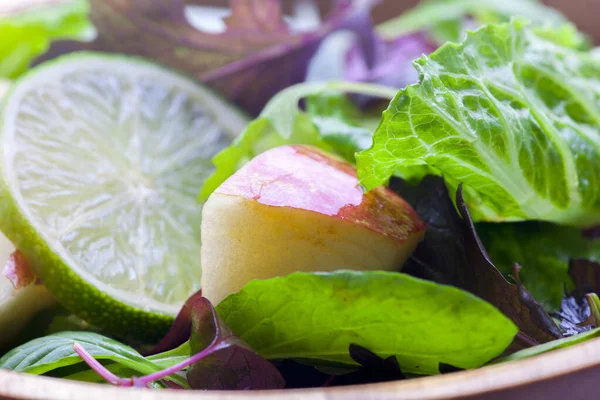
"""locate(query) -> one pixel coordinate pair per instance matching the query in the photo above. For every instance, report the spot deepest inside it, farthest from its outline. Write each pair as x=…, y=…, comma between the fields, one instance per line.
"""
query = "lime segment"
x=103, y=157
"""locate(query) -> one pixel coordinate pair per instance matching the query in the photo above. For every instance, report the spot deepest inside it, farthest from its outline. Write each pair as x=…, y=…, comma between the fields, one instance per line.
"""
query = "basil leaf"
x=317, y=316
x=555, y=344
x=513, y=116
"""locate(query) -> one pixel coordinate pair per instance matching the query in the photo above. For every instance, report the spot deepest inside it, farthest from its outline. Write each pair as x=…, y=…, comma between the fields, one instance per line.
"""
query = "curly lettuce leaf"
x=513, y=116
x=330, y=123
x=27, y=32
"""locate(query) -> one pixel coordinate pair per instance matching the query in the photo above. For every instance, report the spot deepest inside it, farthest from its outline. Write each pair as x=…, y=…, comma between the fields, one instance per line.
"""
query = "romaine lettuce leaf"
x=511, y=115
x=27, y=32
x=447, y=20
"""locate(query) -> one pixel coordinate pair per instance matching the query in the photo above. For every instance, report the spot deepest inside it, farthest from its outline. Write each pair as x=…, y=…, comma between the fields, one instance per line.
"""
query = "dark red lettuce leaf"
x=514, y=300
x=223, y=361
x=585, y=274
x=252, y=60
x=180, y=331
x=453, y=254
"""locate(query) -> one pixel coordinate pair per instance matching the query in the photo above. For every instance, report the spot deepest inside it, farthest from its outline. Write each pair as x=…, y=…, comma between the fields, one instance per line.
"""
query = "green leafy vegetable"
x=511, y=115
x=447, y=19
x=282, y=122
x=317, y=316
x=27, y=33
x=48, y=353
x=555, y=344
x=543, y=250
x=452, y=254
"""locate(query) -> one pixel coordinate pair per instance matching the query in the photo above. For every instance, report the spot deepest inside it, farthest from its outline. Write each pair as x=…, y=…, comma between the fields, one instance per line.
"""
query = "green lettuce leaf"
x=447, y=20
x=543, y=250
x=27, y=33
x=511, y=115
x=554, y=345
x=315, y=317
x=330, y=123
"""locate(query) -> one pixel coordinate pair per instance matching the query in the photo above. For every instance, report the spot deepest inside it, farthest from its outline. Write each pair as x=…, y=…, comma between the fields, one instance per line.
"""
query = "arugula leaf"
x=555, y=344
x=51, y=352
x=544, y=251
x=282, y=122
x=447, y=19
x=511, y=115
x=27, y=32
x=452, y=253
x=315, y=317
x=222, y=361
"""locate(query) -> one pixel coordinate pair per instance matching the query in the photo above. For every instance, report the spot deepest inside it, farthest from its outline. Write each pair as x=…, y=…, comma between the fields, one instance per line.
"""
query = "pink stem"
x=184, y=364
x=99, y=368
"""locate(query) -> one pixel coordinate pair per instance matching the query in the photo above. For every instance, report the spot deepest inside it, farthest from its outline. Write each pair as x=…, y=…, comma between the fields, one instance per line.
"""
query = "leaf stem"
x=215, y=345
x=144, y=381
x=101, y=369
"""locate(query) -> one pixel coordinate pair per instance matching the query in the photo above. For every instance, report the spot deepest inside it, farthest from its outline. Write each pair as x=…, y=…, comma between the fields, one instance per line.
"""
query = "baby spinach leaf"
x=317, y=316
x=543, y=250
x=222, y=361
x=553, y=345
x=510, y=114
x=50, y=352
x=282, y=122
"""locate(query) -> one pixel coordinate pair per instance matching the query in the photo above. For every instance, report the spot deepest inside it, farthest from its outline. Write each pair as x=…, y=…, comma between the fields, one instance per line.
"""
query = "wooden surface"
x=567, y=374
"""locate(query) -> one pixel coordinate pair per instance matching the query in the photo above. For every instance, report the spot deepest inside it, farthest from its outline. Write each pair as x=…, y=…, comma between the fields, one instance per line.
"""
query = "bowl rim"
x=493, y=378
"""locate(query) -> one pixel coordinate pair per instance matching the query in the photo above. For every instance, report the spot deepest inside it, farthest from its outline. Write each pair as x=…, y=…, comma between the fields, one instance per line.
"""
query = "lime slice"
x=102, y=160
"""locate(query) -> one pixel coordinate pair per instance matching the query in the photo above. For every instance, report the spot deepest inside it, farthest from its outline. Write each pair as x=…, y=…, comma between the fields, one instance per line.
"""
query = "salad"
x=256, y=197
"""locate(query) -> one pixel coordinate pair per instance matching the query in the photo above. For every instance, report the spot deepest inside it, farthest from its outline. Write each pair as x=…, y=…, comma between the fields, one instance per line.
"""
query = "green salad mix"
x=469, y=132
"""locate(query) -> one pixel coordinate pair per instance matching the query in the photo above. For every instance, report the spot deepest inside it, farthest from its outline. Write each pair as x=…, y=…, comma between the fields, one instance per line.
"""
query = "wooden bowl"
x=571, y=373
x=566, y=374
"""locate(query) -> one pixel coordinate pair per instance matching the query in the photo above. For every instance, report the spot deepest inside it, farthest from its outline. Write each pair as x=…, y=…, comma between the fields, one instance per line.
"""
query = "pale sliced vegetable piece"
x=102, y=157
x=18, y=306
x=297, y=208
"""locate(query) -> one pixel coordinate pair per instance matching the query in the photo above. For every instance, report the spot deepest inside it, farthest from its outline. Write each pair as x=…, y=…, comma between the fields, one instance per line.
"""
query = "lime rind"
x=116, y=307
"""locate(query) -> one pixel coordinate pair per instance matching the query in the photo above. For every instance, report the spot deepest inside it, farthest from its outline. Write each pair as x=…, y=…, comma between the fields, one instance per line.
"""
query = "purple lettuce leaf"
x=585, y=274
x=254, y=58
x=343, y=56
x=224, y=361
x=180, y=331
